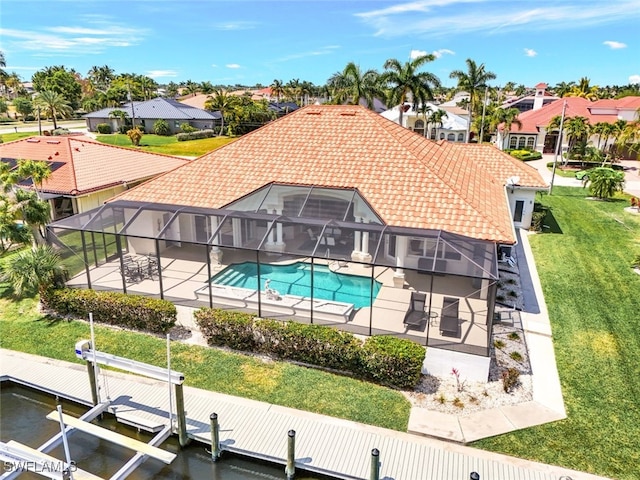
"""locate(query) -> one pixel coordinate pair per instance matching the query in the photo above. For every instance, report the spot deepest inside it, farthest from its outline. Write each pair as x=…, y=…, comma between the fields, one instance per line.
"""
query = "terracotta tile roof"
x=624, y=103
x=532, y=120
x=87, y=165
x=409, y=180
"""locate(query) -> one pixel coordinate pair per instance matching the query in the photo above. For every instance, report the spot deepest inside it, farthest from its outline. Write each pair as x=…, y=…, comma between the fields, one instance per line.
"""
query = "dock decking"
x=327, y=445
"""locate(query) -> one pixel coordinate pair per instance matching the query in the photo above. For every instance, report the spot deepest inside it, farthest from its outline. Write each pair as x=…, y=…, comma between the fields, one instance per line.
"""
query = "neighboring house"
x=84, y=173
x=525, y=103
x=453, y=128
x=532, y=133
x=147, y=113
x=331, y=215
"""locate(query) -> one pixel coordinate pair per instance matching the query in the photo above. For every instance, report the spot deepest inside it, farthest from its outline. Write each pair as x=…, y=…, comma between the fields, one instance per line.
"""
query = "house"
x=532, y=133
x=85, y=173
x=148, y=112
x=451, y=127
x=331, y=215
x=536, y=101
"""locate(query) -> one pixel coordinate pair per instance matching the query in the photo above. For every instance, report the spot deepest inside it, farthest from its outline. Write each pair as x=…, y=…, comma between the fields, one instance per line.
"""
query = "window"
x=433, y=133
x=441, y=135
x=513, y=142
x=451, y=137
x=530, y=141
x=418, y=127
x=521, y=142
x=461, y=137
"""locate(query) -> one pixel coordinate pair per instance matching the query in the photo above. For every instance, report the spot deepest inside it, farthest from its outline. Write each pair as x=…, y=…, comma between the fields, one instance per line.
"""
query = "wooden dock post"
x=182, y=420
x=375, y=465
x=290, y=471
x=215, y=437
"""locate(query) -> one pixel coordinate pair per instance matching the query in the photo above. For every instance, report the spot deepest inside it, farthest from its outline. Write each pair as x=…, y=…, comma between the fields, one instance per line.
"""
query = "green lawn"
x=168, y=145
x=23, y=329
x=10, y=137
x=593, y=298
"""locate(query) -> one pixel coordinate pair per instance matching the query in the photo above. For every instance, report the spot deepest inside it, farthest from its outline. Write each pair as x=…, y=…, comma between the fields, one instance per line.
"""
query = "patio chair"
x=131, y=272
x=416, y=315
x=449, y=321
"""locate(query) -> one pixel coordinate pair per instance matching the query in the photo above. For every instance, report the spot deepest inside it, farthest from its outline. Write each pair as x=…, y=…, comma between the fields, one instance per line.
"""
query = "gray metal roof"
x=167, y=109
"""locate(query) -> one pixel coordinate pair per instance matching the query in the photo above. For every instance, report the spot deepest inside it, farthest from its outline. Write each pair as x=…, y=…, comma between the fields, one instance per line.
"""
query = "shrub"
x=510, y=379
x=513, y=336
x=197, y=135
x=635, y=263
x=517, y=356
x=186, y=128
x=103, y=128
x=386, y=360
x=60, y=131
x=129, y=311
x=499, y=344
x=135, y=135
x=392, y=361
x=525, y=155
x=458, y=403
x=161, y=127
x=537, y=221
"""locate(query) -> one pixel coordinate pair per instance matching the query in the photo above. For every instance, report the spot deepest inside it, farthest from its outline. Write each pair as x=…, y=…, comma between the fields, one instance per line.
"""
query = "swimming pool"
x=295, y=279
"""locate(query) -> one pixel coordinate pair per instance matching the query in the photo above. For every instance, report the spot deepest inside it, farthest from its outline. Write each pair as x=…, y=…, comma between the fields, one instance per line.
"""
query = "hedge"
x=129, y=311
x=103, y=128
x=197, y=135
x=382, y=359
x=525, y=155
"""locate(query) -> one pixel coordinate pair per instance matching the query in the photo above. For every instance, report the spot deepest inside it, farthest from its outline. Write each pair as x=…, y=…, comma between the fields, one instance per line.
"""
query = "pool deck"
x=326, y=445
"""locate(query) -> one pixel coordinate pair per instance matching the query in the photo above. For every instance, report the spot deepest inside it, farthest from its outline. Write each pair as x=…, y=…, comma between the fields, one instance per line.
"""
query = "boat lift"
x=37, y=461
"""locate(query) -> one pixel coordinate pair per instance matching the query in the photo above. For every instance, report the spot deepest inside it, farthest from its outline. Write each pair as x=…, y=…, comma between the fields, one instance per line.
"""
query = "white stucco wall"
x=528, y=197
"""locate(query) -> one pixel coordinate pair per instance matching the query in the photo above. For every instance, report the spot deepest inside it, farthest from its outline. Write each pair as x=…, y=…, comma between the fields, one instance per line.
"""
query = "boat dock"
x=326, y=445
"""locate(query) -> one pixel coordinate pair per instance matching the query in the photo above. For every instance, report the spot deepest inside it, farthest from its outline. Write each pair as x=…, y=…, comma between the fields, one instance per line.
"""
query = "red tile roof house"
x=84, y=173
x=532, y=134
x=332, y=215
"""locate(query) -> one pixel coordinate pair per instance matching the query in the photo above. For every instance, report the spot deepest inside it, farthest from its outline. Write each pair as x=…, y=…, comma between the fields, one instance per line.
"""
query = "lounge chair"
x=416, y=315
x=449, y=321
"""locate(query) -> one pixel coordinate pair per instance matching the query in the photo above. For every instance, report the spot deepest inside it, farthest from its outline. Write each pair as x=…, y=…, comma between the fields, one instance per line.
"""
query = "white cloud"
x=614, y=45
x=232, y=26
x=313, y=53
x=530, y=52
x=439, y=53
x=161, y=73
x=634, y=79
x=442, y=17
x=416, y=53
x=232, y=65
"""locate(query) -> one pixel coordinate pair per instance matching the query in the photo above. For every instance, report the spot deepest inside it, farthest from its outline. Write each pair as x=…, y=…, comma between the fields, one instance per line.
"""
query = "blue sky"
x=251, y=42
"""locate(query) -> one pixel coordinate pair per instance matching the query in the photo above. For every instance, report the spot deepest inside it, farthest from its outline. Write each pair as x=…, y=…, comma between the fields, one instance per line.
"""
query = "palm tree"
x=425, y=110
x=121, y=115
x=223, y=102
x=148, y=86
x=584, y=89
x=53, y=104
x=437, y=117
x=602, y=129
x=101, y=77
x=37, y=170
x=563, y=88
x=34, y=212
x=38, y=269
x=604, y=182
x=473, y=81
x=277, y=89
x=405, y=81
x=507, y=117
x=354, y=84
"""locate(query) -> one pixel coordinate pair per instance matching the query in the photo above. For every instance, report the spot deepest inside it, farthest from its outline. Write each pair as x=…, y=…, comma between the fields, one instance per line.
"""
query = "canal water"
x=22, y=418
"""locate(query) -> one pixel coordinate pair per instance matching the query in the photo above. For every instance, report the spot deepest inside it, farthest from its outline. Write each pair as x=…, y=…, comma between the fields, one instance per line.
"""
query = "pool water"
x=295, y=279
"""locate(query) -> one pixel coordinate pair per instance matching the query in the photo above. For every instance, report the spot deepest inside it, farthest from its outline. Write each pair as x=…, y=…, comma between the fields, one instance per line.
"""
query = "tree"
x=352, y=84
x=160, y=127
x=23, y=106
x=277, y=89
x=563, y=88
x=576, y=128
x=473, y=81
x=604, y=182
x=121, y=115
x=404, y=81
x=38, y=269
x=4, y=107
x=135, y=135
x=222, y=102
x=507, y=117
x=36, y=170
x=584, y=89
x=425, y=110
x=61, y=81
x=101, y=77
x=148, y=87
x=437, y=117
x=53, y=105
